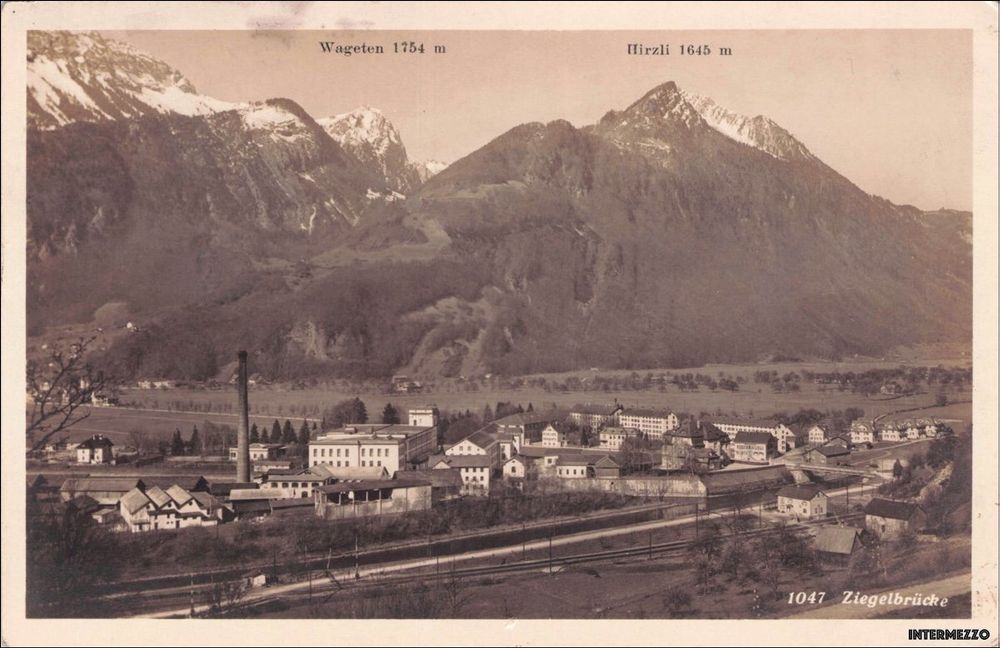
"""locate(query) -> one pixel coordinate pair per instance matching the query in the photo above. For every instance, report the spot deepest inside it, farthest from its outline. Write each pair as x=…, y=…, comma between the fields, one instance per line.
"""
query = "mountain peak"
x=760, y=132
x=74, y=76
x=369, y=135
x=665, y=101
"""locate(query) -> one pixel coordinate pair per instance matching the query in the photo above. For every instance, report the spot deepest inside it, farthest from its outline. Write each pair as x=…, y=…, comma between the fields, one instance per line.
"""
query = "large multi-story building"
x=393, y=447
x=595, y=416
x=654, y=423
x=753, y=447
x=784, y=436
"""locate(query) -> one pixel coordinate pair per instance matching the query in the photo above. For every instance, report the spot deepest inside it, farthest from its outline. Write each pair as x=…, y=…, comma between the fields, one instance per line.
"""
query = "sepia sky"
x=891, y=110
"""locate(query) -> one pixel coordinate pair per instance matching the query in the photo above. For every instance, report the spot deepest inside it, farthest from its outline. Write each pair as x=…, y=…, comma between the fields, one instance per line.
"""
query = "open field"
x=269, y=403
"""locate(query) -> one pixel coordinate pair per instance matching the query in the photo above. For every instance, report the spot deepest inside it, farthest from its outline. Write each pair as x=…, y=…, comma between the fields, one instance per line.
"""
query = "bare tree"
x=455, y=594
x=58, y=387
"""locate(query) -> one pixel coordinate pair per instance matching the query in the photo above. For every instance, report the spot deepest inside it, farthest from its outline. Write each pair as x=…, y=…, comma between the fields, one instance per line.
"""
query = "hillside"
x=671, y=233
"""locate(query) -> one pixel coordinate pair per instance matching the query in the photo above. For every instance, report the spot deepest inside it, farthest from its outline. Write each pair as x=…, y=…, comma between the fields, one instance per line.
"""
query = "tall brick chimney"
x=243, y=424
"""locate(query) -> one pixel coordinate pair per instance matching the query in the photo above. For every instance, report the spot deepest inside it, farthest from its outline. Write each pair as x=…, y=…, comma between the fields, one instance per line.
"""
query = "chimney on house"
x=243, y=423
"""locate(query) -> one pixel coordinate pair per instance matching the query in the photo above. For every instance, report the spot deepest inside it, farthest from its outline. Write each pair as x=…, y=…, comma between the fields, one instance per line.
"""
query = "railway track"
x=332, y=582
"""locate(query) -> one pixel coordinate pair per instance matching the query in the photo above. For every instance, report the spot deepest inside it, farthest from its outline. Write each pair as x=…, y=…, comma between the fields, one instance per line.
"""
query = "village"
x=789, y=473
x=374, y=469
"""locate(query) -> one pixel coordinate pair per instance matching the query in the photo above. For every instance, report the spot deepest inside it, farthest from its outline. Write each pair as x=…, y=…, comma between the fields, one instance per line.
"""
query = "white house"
x=298, y=482
x=422, y=417
x=476, y=471
x=612, y=438
x=819, y=433
x=890, y=433
x=553, y=436
x=175, y=508
x=573, y=467
x=478, y=443
x=516, y=467
x=95, y=450
x=862, y=432
x=803, y=502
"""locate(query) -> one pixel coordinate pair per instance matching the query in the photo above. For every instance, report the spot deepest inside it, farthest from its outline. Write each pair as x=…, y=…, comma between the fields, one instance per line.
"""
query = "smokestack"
x=243, y=425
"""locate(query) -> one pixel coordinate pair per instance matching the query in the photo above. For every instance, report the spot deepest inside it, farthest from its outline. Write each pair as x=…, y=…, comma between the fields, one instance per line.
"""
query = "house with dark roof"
x=836, y=544
x=555, y=435
x=95, y=450
x=690, y=433
x=753, y=447
x=802, y=501
x=528, y=424
x=889, y=518
x=222, y=489
x=445, y=484
x=478, y=443
x=829, y=455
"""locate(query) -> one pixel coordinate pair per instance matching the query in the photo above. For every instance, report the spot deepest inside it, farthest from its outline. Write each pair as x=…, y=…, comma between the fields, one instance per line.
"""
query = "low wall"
x=685, y=484
x=672, y=485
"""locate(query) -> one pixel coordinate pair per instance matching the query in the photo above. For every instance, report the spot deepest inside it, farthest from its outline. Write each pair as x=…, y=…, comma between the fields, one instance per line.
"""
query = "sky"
x=890, y=110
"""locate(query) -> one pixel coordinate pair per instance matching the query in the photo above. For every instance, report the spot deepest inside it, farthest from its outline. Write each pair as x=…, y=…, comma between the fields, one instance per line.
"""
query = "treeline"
x=839, y=419
x=634, y=381
x=216, y=438
x=895, y=380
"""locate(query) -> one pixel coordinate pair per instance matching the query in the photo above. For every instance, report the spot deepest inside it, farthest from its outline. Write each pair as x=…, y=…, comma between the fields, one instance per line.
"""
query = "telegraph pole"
x=550, y=554
x=357, y=570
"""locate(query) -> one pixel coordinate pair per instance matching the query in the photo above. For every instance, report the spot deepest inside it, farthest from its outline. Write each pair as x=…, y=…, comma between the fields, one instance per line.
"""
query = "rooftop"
x=461, y=461
x=479, y=438
x=123, y=484
x=649, y=412
x=375, y=484
x=894, y=509
x=392, y=433
x=835, y=450
x=525, y=418
x=752, y=437
x=836, y=540
x=96, y=441
x=748, y=422
x=803, y=492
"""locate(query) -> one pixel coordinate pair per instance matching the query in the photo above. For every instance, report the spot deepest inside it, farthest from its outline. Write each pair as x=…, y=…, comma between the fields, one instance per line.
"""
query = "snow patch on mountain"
x=75, y=77
x=758, y=132
x=368, y=135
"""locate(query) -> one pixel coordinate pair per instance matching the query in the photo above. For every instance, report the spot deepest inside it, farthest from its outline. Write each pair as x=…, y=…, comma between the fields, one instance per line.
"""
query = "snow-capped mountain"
x=429, y=169
x=758, y=132
x=75, y=77
x=372, y=138
x=664, y=116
